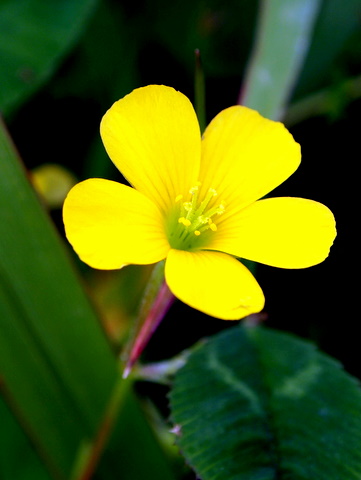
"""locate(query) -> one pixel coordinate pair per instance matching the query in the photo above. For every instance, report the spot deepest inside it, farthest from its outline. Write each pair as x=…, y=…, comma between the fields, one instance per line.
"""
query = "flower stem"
x=156, y=302
x=161, y=305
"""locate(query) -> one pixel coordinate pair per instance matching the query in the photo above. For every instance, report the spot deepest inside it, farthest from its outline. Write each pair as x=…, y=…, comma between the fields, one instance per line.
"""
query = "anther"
x=213, y=227
x=184, y=221
x=196, y=217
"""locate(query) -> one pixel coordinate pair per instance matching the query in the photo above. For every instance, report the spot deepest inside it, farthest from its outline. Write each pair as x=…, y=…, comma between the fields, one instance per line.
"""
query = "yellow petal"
x=213, y=283
x=282, y=232
x=152, y=136
x=110, y=225
x=245, y=156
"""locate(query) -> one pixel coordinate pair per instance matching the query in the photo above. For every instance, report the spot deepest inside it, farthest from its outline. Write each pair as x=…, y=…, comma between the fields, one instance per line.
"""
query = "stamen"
x=216, y=210
x=203, y=219
x=184, y=221
x=213, y=227
x=194, y=192
x=210, y=194
x=195, y=217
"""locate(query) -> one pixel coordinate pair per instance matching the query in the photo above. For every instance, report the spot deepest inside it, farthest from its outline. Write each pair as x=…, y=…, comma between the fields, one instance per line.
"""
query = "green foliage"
x=58, y=390
x=283, y=38
x=57, y=368
x=253, y=403
x=34, y=36
x=134, y=452
x=336, y=24
x=13, y=442
x=91, y=72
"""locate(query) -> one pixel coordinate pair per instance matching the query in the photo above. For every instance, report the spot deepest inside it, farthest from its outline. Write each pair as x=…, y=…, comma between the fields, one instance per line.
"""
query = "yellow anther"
x=184, y=221
x=213, y=227
x=196, y=216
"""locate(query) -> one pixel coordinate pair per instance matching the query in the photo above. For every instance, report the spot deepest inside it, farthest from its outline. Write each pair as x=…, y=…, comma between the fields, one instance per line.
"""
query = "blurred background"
x=62, y=65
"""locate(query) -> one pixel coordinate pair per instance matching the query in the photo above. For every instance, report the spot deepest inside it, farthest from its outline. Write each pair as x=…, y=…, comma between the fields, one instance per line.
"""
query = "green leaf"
x=13, y=445
x=253, y=403
x=57, y=369
x=337, y=22
x=34, y=37
x=134, y=446
x=282, y=40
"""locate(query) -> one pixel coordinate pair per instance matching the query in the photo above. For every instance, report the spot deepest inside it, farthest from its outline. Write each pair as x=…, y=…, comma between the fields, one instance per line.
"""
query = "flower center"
x=193, y=220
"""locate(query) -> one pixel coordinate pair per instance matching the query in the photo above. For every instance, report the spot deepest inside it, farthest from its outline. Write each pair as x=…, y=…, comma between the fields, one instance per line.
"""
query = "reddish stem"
x=156, y=314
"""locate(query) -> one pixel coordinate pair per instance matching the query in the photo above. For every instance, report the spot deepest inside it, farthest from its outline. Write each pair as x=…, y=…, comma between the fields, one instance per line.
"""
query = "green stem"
x=156, y=301
x=90, y=454
x=155, y=316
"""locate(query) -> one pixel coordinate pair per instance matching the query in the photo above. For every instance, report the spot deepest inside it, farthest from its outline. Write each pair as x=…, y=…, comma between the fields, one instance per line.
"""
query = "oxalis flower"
x=196, y=201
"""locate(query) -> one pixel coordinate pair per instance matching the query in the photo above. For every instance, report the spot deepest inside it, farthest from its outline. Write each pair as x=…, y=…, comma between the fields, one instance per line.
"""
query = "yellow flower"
x=195, y=201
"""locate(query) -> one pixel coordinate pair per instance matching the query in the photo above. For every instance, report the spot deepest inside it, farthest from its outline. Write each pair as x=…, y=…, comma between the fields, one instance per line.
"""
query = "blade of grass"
x=282, y=40
x=13, y=442
x=57, y=368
